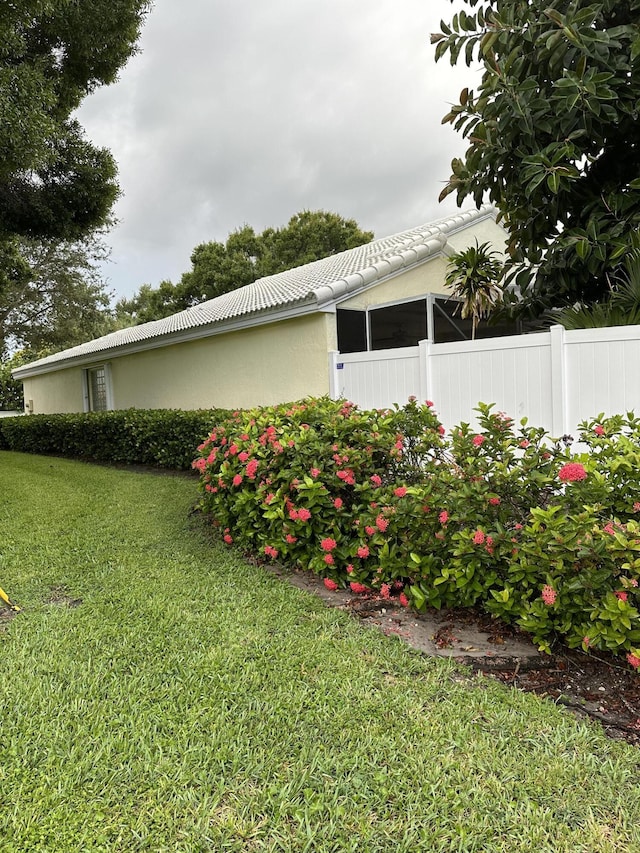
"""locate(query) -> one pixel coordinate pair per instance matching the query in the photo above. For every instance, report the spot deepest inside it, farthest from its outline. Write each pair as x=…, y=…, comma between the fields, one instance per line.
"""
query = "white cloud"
x=248, y=112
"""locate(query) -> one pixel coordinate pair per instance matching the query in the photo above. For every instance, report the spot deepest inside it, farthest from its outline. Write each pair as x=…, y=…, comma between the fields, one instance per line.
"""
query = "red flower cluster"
x=400, y=492
x=328, y=544
x=572, y=472
x=270, y=551
x=478, y=440
x=549, y=595
x=358, y=588
x=330, y=584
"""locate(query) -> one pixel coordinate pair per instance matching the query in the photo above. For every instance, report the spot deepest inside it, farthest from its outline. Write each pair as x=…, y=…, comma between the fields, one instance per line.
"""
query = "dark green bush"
x=161, y=437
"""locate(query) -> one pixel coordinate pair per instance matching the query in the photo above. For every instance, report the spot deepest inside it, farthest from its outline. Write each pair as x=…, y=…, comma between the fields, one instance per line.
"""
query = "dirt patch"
x=60, y=597
x=597, y=686
x=6, y=615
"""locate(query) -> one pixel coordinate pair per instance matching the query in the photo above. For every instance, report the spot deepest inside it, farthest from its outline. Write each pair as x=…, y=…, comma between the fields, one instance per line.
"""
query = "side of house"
x=270, y=341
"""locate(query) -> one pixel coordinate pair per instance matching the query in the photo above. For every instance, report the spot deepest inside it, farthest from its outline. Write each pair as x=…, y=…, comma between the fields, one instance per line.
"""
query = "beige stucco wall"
x=427, y=278
x=260, y=366
x=55, y=392
x=486, y=231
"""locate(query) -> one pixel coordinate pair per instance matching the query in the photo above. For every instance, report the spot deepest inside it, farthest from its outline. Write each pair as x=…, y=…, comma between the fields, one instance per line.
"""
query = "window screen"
x=352, y=330
x=398, y=325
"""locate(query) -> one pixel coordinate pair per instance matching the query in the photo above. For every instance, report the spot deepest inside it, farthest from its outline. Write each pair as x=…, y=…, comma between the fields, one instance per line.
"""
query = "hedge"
x=165, y=438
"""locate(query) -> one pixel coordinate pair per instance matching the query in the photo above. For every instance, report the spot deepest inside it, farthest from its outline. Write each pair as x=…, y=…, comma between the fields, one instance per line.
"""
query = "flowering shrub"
x=501, y=516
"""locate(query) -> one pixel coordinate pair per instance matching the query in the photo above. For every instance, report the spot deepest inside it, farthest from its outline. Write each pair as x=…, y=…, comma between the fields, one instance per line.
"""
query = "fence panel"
x=376, y=380
x=556, y=379
x=603, y=372
x=514, y=373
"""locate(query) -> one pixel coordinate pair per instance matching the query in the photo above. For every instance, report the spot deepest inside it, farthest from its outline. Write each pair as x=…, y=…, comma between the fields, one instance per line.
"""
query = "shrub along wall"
x=160, y=437
x=505, y=517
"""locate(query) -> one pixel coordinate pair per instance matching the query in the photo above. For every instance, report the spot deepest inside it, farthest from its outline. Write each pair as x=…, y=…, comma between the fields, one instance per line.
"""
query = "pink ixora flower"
x=382, y=523
x=358, y=588
x=478, y=537
x=304, y=514
x=270, y=551
x=375, y=479
x=252, y=469
x=349, y=569
x=524, y=443
x=494, y=501
x=228, y=538
x=548, y=595
x=338, y=503
x=291, y=538
x=623, y=596
x=385, y=590
x=330, y=584
x=636, y=507
x=400, y=492
x=478, y=440
x=370, y=530
x=586, y=642
x=363, y=552
x=599, y=429
x=328, y=558
x=572, y=472
x=328, y=544
x=315, y=472
x=429, y=403
x=443, y=517
x=634, y=660
x=243, y=456
x=237, y=479
x=404, y=601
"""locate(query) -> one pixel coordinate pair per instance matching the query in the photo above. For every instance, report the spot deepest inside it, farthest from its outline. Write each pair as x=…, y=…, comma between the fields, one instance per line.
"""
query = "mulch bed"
x=595, y=685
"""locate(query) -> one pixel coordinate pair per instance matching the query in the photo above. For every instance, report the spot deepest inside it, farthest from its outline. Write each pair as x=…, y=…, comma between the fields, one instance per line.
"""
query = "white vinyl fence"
x=556, y=379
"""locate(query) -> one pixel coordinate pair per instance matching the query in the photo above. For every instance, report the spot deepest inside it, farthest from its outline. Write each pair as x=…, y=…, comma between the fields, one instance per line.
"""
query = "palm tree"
x=473, y=275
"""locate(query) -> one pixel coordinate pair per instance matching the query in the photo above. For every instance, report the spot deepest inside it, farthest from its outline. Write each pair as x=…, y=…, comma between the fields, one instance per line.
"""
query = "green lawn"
x=193, y=702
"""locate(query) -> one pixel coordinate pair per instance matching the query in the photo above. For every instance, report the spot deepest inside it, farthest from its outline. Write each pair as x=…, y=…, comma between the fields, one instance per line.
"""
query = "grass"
x=192, y=702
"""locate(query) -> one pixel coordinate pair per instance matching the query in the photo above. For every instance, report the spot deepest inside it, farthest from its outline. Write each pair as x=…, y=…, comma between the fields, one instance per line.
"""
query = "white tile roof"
x=314, y=285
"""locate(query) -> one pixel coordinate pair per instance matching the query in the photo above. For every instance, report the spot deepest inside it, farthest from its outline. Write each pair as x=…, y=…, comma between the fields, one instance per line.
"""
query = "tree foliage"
x=218, y=268
x=53, y=182
x=553, y=132
x=59, y=301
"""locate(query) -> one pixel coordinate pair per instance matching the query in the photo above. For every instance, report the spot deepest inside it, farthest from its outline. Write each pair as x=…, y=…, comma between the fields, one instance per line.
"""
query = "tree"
x=53, y=182
x=554, y=133
x=621, y=308
x=218, y=268
x=60, y=302
x=473, y=275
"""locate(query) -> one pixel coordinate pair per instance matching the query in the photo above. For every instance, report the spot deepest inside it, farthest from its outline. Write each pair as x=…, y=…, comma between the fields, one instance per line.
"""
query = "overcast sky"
x=246, y=111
